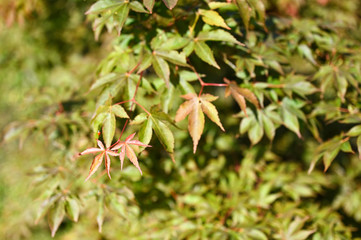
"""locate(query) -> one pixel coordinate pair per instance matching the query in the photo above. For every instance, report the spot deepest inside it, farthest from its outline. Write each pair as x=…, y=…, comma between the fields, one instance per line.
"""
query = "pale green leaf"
x=119, y=111
x=217, y=35
x=255, y=133
x=109, y=129
x=145, y=132
x=205, y=53
x=55, y=216
x=329, y=156
x=306, y=52
x=103, y=5
x=161, y=68
x=354, y=131
x=72, y=208
x=122, y=15
x=173, y=57
x=290, y=121
x=137, y=7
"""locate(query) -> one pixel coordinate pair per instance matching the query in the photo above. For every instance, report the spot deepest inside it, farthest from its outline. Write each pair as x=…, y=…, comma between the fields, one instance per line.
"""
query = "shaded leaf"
x=245, y=12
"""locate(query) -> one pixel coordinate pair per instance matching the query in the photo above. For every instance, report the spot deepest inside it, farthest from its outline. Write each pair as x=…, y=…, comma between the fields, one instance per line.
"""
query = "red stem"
x=203, y=84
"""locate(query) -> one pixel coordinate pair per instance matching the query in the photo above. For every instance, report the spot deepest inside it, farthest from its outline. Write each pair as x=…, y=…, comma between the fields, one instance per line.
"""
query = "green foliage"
x=292, y=69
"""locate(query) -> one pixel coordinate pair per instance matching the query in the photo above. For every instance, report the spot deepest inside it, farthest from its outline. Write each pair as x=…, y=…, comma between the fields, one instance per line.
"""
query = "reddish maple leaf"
x=99, y=158
x=240, y=95
x=194, y=107
x=126, y=149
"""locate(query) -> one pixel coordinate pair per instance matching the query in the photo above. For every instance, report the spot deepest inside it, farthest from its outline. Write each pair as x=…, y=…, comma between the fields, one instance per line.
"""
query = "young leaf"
x=239, y=94
x=213, y=18
x=209, y=109
x=205, y=53
x=126, y=149
x=194, y=107
x=99, y=158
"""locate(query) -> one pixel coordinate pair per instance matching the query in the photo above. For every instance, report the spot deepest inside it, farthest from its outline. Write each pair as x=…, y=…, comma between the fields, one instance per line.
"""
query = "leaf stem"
x=203, y=84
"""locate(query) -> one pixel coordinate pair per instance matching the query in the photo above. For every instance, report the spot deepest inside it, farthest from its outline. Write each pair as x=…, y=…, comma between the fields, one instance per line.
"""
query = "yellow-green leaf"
x=109, y=129
x=55, y=216
x=119, y=111
x=213, y=18
x=161, y=68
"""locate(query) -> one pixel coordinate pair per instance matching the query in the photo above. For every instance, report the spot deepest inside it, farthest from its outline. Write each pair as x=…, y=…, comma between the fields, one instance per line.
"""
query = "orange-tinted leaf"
x=95, y=165
x=132, y=157
x=107, y=165
x=196, y=124
x=210, y=110
x=125, y=149
x=240, y=94
x=194, y=107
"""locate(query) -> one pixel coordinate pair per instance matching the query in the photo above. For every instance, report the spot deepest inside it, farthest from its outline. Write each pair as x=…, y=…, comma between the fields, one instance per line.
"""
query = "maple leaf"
x=126, y=149
x=99, y=158
x=240, y=95
x=195, y=107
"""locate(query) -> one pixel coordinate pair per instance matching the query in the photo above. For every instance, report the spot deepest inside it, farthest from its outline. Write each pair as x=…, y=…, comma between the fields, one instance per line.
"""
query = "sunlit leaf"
x=213, y=18
x=194, y=107
x=109, y=129
x=161, y=68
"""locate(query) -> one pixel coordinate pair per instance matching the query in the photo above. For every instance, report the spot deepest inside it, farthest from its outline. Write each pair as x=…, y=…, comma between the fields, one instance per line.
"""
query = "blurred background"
x=48, y=56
